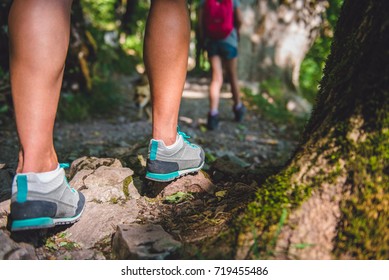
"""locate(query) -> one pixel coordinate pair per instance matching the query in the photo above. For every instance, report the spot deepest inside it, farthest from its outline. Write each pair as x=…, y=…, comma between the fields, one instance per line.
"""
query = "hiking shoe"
x=39, y=204
x=213, y=121
x=166, y=164
x=239, y=113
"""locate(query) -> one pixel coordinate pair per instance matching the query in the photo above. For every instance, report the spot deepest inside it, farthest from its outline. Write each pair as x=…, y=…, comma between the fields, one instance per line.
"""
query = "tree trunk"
x=276, y=36
x=331, y=200
x=4, y=58
x=128, y=18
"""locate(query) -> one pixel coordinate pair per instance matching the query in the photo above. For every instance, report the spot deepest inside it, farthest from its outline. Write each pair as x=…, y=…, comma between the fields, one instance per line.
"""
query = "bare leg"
x=216, y=83
x=232, y=72
x=166, y=57
x=39, y=37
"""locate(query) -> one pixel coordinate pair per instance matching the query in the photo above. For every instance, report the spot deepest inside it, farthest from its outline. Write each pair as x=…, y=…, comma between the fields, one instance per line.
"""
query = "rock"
x=78, y=179
x=107, y=184
x=137, y=241
x=4, y=211
x=197, y=183
x=92, y=163
x=229, y=165
x=110, y=199
x=99, y=220
x=82, y=255
x=10, y=250
x=238, y=161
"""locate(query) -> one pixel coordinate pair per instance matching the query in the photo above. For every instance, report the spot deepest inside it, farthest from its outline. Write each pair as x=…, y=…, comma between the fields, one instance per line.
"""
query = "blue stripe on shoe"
x=153, y=150
x=162, y=177
x=21, y=195
x=32, y=223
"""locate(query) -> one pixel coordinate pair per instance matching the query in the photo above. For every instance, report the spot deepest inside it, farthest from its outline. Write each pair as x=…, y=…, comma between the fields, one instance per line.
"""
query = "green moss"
x=126, y=183
x=267, y=213
x=363, y=159
x=363, y=232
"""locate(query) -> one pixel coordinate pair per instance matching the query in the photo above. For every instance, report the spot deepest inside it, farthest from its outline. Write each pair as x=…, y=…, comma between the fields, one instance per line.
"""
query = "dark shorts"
x=222, y=49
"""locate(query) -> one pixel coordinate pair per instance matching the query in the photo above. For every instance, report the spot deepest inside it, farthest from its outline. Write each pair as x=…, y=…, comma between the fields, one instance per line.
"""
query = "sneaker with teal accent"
x=165, y=164
x=39, y=204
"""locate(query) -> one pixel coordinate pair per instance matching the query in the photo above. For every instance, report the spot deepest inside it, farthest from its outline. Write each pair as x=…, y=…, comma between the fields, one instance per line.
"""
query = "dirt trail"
x=256, y=141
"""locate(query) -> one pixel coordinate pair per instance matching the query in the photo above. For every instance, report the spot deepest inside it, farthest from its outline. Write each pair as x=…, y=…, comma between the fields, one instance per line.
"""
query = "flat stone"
x=197, y=183
x=99, y=220
x=137, y=241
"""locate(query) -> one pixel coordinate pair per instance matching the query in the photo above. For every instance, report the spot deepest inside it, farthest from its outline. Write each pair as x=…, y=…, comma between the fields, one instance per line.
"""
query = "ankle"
x=37, y=163
x=213, y=112
x=238, y=105
x=168, y=137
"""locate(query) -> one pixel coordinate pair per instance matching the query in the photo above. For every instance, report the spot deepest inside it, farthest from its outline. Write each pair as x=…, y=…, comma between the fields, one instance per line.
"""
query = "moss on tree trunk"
x=331, y=201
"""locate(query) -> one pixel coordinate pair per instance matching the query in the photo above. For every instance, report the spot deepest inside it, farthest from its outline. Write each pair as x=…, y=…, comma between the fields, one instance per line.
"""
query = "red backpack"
x=218, y=18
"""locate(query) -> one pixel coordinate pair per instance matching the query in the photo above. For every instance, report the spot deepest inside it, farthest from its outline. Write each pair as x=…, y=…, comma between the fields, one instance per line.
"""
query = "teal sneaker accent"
x=162, y=177
x=22, y=188
x=153, y=150
x=32, y=223
x=166, y=164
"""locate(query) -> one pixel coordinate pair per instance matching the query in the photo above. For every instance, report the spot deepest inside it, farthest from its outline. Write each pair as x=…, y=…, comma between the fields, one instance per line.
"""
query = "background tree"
x=276, y=36
x=275, y=42
x=331, y=200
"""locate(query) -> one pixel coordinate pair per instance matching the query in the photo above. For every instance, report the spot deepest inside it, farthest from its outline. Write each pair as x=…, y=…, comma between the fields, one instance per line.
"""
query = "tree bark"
x=331, y=200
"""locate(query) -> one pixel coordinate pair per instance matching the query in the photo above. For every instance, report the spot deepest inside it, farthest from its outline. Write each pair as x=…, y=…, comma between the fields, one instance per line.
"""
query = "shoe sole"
x=171, y=176
x=44, y=222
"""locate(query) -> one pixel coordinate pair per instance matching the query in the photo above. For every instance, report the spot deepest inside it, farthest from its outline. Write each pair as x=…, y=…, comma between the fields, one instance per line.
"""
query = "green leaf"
x=178, y=197
x=220, y=194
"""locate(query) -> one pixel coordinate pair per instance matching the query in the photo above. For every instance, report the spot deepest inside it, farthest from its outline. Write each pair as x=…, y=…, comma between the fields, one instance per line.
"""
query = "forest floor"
x=239, y=156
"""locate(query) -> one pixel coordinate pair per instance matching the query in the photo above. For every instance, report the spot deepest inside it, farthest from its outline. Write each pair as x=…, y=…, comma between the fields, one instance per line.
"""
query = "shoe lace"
x=65, y=166
x=184, y=136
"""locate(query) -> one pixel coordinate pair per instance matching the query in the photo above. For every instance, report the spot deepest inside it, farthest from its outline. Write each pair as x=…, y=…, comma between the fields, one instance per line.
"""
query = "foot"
x=213, y=121
x=44, y=202
x=168, y=163
x=239, y=113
